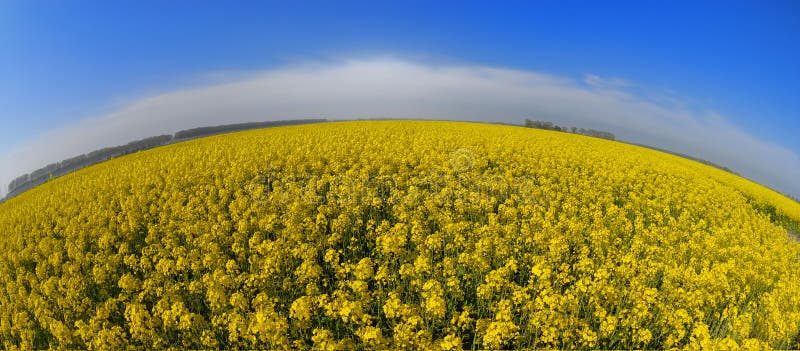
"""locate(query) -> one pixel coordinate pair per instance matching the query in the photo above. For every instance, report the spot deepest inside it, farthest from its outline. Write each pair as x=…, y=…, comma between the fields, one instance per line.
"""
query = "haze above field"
x=715, y=81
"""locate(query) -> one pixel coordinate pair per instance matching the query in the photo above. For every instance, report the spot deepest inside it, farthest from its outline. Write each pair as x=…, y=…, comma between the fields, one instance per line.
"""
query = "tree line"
x=606, y=135
x=42, y=175
x=550, y=126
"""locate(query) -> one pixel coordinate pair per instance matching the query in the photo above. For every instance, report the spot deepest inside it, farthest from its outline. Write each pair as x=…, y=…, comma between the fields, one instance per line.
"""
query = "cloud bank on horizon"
x=396, y=88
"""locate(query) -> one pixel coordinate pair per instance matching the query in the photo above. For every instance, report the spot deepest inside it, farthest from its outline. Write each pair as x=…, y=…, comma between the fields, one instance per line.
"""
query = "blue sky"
x=62, y=62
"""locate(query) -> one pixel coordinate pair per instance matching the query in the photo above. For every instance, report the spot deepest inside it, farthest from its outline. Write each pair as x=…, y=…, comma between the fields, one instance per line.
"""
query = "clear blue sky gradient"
x=61, y=61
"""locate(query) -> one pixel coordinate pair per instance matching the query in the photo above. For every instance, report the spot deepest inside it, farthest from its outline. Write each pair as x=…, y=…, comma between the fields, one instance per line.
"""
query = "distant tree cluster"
x=550, y=126
x=42, y=175
x=606, y=135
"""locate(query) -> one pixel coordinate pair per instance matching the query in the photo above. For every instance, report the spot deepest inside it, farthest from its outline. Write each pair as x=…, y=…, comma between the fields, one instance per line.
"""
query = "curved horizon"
x=392, y=87
x=178, y=138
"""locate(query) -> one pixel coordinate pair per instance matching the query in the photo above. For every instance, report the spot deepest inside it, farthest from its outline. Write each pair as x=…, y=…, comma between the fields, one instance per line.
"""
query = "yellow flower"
x=363, y=270
x=302, y=308
x=370, y=335
x=450, y=342
x=499, y=334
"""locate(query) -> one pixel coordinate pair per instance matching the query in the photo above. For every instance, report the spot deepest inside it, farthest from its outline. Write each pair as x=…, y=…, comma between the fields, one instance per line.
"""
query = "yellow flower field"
x=399, y=235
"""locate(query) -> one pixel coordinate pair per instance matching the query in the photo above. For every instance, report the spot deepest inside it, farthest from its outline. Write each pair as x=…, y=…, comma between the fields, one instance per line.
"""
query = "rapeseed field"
x=399, y=235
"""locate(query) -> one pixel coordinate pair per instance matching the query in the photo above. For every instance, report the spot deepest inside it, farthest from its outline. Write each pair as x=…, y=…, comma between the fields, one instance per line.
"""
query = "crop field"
x=399, y=235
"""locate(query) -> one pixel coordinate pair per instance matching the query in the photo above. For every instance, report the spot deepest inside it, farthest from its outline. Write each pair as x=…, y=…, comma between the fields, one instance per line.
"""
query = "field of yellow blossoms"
x=399, y=235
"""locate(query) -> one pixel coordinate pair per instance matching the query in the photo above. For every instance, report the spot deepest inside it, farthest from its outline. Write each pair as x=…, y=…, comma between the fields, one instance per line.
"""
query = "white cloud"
x=606, y=83
x=395, y=88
